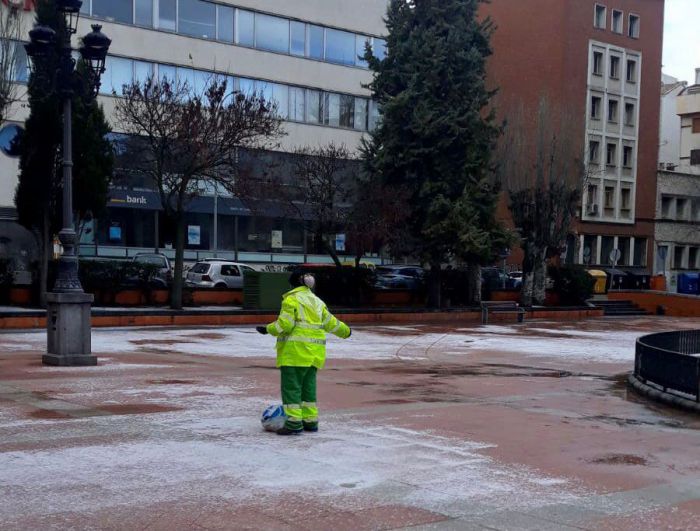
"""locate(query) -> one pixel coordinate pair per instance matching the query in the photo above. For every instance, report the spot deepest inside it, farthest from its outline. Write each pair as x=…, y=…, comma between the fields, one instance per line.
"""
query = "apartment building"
x=301, y=54
x=599, y=62
x=677, y=234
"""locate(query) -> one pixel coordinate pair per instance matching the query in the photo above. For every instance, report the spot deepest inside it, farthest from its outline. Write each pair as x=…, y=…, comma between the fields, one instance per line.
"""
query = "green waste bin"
x=263, y=290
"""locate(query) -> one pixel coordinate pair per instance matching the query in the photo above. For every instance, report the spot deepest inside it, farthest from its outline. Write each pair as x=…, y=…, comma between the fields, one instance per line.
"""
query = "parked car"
x=399, y=277
x=516, y=278
x=494, y=278
x=165, y=272
x=217, y=274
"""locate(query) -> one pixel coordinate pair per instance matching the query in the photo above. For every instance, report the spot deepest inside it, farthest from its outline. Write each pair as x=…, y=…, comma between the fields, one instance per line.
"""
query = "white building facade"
x=302, y=54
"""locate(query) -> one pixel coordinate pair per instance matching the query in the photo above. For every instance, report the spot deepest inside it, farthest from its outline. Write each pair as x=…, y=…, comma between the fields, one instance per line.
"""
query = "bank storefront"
x=217, y=227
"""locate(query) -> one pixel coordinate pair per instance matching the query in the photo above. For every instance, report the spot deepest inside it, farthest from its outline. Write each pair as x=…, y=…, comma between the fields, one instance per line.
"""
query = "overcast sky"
x=681, y=39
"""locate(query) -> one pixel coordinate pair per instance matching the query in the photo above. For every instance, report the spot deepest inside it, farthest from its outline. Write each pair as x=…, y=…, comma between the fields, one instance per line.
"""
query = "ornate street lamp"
x=71, y=12
x=94, y=52
x=68, y=315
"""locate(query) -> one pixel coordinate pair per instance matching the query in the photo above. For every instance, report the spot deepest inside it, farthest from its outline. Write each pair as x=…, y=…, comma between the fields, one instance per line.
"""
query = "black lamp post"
x=68, y=319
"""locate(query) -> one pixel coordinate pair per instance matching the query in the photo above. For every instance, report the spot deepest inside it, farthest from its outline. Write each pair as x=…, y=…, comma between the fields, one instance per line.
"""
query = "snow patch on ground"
x=366, y=343
x=194, y=459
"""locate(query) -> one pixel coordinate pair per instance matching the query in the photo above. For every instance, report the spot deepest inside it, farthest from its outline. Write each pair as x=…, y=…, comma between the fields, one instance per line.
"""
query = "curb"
x=661, y=396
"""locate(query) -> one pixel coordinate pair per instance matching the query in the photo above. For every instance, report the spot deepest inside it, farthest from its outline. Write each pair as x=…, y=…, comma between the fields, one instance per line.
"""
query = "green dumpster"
x=263, y=290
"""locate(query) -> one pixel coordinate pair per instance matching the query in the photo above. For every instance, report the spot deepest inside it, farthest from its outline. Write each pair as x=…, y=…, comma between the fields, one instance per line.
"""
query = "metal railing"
x=670, y=360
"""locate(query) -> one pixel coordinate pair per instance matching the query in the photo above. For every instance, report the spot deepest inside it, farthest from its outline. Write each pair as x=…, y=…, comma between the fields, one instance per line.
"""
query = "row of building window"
x=225, y=23
x=611, y=154
x=597, y=249
x=293, y=103
x=609, y=201
x=613, y=111
x=684, y=256
x=614, y=67
x=617, y=19
x=680, y=208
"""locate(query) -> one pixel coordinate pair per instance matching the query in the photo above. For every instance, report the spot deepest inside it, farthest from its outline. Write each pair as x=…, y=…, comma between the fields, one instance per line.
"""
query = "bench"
x=501, y=307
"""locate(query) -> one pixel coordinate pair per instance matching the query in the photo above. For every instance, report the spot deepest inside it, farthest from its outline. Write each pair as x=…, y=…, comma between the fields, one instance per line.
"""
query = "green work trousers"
x=299, y=397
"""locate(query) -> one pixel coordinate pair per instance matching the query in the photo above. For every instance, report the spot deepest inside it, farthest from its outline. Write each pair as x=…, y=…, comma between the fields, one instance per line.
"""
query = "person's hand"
x=262, y=330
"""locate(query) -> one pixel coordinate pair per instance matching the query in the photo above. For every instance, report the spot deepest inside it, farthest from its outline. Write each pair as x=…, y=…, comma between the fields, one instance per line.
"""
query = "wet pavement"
x=465, y=427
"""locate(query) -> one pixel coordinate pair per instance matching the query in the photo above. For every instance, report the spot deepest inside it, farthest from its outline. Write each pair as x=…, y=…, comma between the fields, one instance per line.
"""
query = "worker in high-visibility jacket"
x=301, y=331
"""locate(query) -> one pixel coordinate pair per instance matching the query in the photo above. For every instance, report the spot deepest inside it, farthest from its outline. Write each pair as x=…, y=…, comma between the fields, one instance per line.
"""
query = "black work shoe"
x=286, y=431
x=311, y=427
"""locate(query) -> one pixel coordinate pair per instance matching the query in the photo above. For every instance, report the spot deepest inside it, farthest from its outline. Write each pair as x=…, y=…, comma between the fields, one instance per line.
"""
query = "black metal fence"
x=670, y=360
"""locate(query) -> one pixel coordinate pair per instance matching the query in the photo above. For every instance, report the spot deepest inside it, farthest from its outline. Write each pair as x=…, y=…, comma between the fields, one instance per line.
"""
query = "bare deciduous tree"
x=541, y=167
x=11, y=56
x=188, y=140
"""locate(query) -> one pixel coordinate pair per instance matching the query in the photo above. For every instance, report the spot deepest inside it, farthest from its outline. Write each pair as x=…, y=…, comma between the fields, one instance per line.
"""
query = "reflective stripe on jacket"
x=301, y=329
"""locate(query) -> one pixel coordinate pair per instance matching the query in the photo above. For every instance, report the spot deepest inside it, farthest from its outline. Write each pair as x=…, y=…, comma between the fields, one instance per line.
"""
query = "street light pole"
x=68, y=313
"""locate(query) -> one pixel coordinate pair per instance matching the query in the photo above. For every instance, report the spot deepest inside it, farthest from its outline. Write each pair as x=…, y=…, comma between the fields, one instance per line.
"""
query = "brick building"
x=600, y=61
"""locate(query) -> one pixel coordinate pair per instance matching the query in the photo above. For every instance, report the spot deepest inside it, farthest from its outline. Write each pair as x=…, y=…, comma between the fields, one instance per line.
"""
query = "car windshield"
x=200, y=268
x=151, y=259
x=385, y=271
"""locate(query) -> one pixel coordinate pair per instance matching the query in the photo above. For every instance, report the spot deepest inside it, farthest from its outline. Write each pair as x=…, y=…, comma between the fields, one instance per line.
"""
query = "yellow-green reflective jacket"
x=301, y=329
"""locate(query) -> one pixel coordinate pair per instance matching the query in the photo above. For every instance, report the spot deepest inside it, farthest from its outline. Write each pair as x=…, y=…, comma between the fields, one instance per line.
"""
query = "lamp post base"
x=68, y=330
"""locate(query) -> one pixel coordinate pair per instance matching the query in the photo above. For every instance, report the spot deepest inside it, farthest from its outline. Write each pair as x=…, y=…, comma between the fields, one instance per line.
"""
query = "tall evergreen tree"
x=435, y=136
x=38, y=193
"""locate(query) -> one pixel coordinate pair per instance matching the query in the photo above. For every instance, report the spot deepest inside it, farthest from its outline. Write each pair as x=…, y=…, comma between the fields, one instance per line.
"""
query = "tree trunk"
x=176, y=292
x=540, y=280
x=434, y=287
x=331, y=252
x=45, y=249
x=528, y=278
x=474, y=284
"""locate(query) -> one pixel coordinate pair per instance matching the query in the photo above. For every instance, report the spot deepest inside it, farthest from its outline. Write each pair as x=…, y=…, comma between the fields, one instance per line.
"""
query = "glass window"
x=624, y=245
x=224, y=23
x=143, y=13
x=186, y=76
x=264, y=89
x=118, y=72
x=590, y=249
x=598, y=63
x=678, y=252
x=297, y=38
x=245, y=27
x=599, y=18
x=296, y=104
x=167, y=11
x=314, y=106
x=347, y=110
x=116, y=10
x=245, y=86
x=314, y=42
x=340, y=47
x=196, y=18
x=373, y=118
x=21, y=73
x=201, y=81
x=360, y=120
x=85, y=8
x=331, y=116
x=614, y=67
x=280, y=95
x=607, y=244
x=634, y=26
x=142, y=71
x=379, y=48
x=271, y=33
x=360, y=42
x=167, y=72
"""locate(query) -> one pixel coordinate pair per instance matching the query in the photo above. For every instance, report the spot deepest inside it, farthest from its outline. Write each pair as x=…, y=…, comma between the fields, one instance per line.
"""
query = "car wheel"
x=220, y=285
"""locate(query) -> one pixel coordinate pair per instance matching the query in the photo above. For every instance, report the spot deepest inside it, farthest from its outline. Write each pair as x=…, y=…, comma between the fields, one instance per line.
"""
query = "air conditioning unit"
x=592, y=209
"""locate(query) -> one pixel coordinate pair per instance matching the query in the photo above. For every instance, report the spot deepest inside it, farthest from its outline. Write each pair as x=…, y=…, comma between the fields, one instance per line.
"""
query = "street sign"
x=615, y=256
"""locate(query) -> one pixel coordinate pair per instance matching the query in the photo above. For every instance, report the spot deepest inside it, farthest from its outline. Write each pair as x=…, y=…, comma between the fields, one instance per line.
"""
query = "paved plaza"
x=465, y=427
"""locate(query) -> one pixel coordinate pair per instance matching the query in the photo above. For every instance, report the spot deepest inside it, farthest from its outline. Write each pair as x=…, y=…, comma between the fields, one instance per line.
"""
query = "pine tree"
x=436, y=135
x=38, y=193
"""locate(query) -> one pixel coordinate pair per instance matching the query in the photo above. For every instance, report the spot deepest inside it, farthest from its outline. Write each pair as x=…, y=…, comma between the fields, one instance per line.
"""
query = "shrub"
x=113, y=275
x=573, y=283
x=342, y=286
